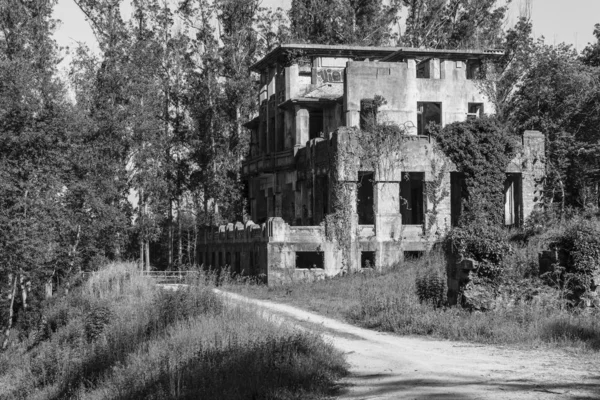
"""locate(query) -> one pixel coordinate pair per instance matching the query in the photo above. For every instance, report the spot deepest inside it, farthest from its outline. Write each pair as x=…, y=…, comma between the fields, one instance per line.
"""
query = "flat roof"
x=362, y=52
x=409, y=52
x=323, y=50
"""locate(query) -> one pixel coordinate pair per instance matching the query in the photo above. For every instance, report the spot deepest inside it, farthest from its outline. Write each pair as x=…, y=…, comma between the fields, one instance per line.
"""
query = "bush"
x=432, y=288
x=579, y=256
x=485, y=243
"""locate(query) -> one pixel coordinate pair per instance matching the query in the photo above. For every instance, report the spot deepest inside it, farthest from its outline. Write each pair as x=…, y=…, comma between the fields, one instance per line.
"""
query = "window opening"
x=412, y=198
x=365, y=198
x=309, y=259
x=426, y=113
x=456, y=184
x=412, y=255
x=368, y=113
x=424, y=69
x=315, y=123
x=474, y=69
x=475, y=110
x=512, y=199
x=367, y=259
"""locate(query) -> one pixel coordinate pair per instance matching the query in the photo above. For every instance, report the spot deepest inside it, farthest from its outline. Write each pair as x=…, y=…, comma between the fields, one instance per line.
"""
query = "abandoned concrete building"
x=313, y=98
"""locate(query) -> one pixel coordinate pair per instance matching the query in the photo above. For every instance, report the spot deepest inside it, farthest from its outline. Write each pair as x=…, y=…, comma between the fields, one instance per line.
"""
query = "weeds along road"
x=384, y=366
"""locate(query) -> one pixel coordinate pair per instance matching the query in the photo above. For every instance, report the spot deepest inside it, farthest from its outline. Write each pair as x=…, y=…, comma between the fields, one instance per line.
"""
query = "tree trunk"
x=189, y=247
x=170, y=235
x=147, y=245
x=179, y=234
x=11, y=311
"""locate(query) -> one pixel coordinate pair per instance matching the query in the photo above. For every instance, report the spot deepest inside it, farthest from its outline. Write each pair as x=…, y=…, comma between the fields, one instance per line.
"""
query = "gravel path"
x=385, y=366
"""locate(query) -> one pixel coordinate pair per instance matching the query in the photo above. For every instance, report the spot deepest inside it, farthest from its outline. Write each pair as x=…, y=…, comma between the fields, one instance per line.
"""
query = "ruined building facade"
x=313, y=99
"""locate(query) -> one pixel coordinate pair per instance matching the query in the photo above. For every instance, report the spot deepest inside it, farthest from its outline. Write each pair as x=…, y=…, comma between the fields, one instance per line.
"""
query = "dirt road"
x=385, y=366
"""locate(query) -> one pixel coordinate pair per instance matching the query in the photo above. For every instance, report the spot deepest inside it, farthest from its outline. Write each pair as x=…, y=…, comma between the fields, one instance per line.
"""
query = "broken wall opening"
x=367, y=259
x=315, y=123
x=368, y=113
x=364, y=198
x=513, y=199
x=456, y=196
x=412, y=198
x=309, y=259
x=428, y=112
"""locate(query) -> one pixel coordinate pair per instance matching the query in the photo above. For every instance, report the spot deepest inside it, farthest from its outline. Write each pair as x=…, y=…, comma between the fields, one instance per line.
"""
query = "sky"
x=558, y=21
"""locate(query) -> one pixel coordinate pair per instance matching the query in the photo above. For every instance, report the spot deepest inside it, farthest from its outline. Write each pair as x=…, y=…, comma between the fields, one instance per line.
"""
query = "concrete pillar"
x=302, y=121
x=534, y=169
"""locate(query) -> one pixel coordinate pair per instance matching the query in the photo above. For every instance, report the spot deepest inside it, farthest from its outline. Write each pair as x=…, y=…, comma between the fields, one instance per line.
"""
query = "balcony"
x=269, y=162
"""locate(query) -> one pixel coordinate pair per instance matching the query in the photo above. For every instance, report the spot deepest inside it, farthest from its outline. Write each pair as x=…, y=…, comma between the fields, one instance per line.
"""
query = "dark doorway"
x=365, y=198
x=315, y=123
x=513, y=200
x=456, y=184
x=412, y=198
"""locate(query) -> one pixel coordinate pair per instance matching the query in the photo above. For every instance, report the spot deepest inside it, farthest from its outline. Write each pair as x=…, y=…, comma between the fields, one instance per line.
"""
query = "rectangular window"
x=364, y=198
x=367, y=259
x=424, y=69
x=271, y=138
x=412, y=199
x=309, y=259
x=475, y=110
x=427, y=113
x=474, y=69
x=315, y=123
x=368, y=113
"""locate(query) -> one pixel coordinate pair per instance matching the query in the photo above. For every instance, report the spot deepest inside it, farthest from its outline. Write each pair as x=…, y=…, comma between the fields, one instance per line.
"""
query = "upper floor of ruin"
x=308, y=91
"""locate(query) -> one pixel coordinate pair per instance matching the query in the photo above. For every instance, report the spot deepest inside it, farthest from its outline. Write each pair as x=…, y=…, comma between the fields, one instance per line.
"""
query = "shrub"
x=432, y=287
x=579, y=255
x=486, y=243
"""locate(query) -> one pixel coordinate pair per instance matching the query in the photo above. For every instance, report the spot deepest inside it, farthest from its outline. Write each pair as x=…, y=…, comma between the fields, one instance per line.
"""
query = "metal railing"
x=170, y=277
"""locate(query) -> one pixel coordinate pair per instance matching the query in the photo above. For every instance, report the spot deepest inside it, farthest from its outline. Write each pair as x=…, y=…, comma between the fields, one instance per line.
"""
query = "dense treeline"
x=141, y=145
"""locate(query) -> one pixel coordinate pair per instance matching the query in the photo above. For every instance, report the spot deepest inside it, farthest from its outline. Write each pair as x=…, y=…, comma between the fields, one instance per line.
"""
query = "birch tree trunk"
x=11, y=311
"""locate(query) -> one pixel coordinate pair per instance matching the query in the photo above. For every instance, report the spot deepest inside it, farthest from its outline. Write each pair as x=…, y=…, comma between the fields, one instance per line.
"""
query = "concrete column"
x=302, y=120
x=388, y=221
x=534, y=169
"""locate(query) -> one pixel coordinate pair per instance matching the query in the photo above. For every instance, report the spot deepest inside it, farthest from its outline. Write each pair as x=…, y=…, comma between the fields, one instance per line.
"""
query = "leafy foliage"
x=486, y=244
x=579, y=256
x=359, y=22
x=452, y=24
x=481, y=149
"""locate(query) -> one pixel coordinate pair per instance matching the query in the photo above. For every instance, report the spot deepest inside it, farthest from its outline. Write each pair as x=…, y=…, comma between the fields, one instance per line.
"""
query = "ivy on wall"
x=481, y=149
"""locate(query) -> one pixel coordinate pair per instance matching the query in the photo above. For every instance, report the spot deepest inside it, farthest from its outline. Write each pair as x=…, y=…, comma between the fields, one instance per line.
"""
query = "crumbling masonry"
x=313, y=98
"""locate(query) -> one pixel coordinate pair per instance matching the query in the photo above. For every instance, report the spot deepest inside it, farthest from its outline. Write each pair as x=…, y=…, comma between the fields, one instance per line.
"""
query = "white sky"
x=558, y=21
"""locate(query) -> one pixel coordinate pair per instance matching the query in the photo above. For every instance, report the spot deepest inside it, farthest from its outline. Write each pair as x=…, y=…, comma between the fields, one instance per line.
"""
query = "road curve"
x=385, y=366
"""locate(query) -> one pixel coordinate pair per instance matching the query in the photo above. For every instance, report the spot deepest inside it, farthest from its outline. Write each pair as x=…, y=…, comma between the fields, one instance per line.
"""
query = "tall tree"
x=34, y=145
x=453, y=24
x=591, y=53
x=359, y=22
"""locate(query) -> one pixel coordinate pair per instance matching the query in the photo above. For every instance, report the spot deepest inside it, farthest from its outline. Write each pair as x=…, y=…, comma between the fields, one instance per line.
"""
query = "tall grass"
x=388, y=301
x=121, y=337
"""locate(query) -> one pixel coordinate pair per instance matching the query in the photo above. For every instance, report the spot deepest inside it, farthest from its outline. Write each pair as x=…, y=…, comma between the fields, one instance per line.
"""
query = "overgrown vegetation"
x=481, y=149
x=118, y=336
x=407, y=300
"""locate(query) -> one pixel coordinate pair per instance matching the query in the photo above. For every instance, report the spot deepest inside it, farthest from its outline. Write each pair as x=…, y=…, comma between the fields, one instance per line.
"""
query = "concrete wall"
x=397, y=82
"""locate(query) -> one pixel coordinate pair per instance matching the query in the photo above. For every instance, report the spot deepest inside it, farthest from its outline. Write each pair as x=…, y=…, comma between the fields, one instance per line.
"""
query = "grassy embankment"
x=388, y=301
x=120, y=337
